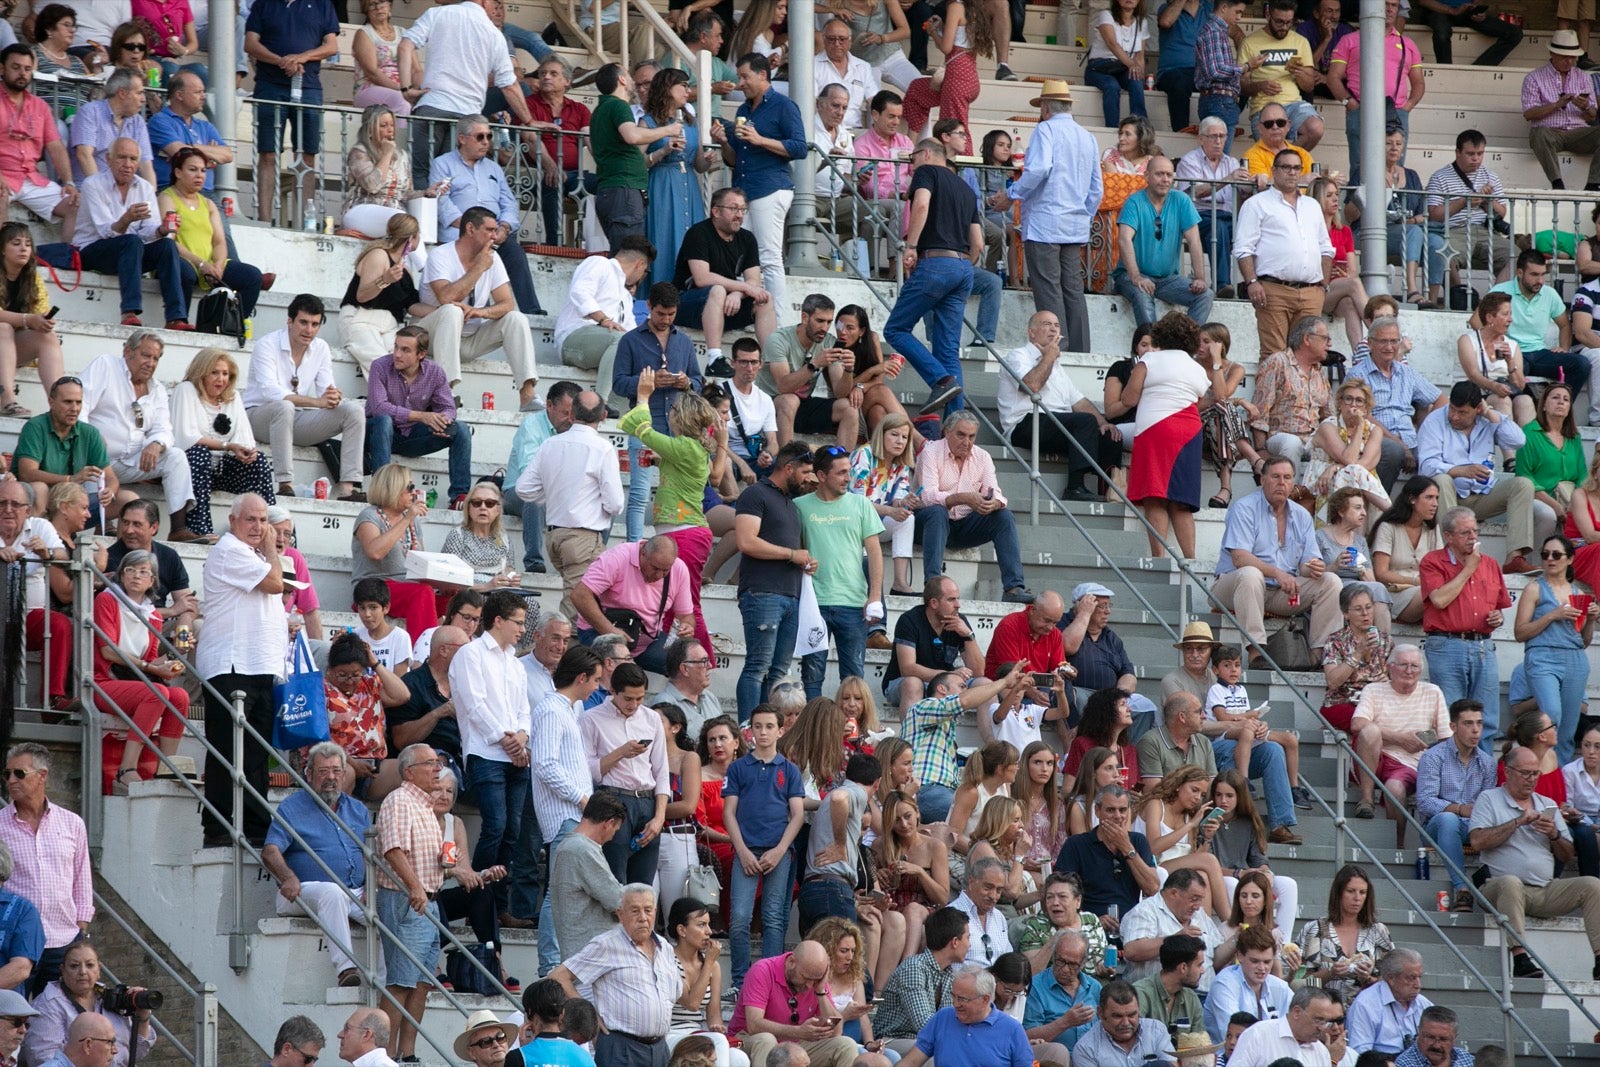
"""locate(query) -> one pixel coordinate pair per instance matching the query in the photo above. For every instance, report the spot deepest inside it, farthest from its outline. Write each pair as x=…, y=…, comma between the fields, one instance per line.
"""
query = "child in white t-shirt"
x=1234, y=726
x=388, y=642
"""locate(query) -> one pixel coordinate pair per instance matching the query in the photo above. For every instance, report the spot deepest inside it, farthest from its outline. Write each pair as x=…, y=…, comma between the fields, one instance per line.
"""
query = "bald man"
x=91, y=1042
x=120, y=231
x=792, y=986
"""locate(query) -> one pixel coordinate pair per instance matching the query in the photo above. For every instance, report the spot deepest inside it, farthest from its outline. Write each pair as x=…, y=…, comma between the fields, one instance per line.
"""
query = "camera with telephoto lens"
x=122, y=1000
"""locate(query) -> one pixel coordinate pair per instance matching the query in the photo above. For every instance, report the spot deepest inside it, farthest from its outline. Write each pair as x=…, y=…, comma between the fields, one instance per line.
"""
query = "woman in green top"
x=694, y=453
x=1552, y=459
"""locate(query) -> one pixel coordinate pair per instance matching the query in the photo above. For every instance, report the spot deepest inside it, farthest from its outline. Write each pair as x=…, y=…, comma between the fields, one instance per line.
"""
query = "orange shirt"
x=23, y=135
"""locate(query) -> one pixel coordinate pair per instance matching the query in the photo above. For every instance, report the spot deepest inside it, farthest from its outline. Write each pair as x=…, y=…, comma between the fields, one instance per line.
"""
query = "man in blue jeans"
x=288, y=42
x=770, y=793
x=943, y=242
x=767, y=529
x=839, y=524
x=834, y=848
x=1450, y=775
x=1217, y=70
x=411, y=412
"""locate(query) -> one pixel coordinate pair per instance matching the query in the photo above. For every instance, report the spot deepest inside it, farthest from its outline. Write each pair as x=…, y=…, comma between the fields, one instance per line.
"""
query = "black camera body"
x=121, y=1000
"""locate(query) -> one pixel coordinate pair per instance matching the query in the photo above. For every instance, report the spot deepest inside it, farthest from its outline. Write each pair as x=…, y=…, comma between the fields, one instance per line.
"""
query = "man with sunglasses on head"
x=1282, y=247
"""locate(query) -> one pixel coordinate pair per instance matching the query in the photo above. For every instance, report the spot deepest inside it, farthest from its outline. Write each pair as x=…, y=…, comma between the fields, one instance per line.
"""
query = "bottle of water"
x=836, y=262
x=309, y=220
x=1483, y=483
x=296, y=87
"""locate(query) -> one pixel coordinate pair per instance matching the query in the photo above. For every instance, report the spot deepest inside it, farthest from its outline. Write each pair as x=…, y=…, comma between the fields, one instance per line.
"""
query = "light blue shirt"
x=1158, y=257
x=1230, y=993
x=1251, y=526
x=1060, y=185
x=534, y=431
x=1395, y=396
x=480, y=184
x=1096, y=1049
x=1441, y=446
x=1047, y=1002
x=1378, y=1021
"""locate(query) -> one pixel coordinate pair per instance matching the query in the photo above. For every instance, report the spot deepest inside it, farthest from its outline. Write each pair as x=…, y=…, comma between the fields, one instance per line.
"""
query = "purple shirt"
x=94, y=125
x=389, y=394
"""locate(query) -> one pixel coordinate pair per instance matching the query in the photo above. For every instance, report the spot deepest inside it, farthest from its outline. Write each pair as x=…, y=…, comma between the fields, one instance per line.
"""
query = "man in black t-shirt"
x=929, y=642
x=768, y=531
x=429, y=717
x=719, y=273
x=944, y=241
x=173, y=593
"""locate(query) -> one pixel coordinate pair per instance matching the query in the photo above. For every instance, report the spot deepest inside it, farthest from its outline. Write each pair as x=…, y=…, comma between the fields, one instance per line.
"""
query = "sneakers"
x=1003, y=73
x=1523, y=967
x=730, y=995
x=130, y=319
x=1463, y=900
x=945, y=390
x=719, y=368
x=1302, y=798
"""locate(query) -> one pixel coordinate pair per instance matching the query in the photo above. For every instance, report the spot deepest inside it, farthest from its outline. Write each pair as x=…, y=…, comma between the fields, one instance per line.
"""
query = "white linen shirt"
x=1151, y=917
x=103, y=205
x=465, y=52
x=490, y=690
x=1058, y=393
x=192, y=420
x=599, y=284
x=1271, y=1039
x=577, y=478
x=108, y=404
x=444, y=265
x=273, y=373
x=858, y=78
x=1289, y=243
x=34, y=571
x=829, y=182
x=246, y=630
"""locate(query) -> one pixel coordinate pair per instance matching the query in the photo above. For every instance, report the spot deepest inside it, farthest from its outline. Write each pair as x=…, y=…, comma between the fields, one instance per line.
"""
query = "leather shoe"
x=1081, y=494
x=1463, y=901
x=879, y=640
x=1283, y=835
x=267, y=280
x=1523, y=967
x=511, y=922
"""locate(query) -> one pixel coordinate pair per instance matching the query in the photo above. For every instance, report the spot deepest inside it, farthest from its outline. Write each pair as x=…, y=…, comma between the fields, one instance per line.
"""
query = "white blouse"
x=193, y=417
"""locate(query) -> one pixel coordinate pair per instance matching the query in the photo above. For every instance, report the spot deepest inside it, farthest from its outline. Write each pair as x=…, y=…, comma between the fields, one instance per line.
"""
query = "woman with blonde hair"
x=1346, y=296
x=210, y=426
x=481, y=540
x=1345, y=448
x=882, y=470
x=377, y=174
x=67, y=509
x=897, y=759
x=1179, y=824
x=988, y=774
x=26, y=336
x=1001, y=834
x=847, y=971
x=386, y=529
x=381, y=293
x=860, y=713
x=914, y=870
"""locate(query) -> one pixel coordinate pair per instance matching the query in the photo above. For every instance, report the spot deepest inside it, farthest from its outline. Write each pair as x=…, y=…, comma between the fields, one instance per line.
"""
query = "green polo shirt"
x=81, y=447
x=1153, y=1003
x=1159, y=757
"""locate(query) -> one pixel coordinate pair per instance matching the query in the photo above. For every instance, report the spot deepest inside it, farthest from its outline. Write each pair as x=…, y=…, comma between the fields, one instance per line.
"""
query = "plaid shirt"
x=941, y=476
x=930, y=726
x=918, y=988
x=406, y=821
x=1216, y=64
x=1544, y=86
x=52, y=869
x=1441, y=780
x=1291, y=400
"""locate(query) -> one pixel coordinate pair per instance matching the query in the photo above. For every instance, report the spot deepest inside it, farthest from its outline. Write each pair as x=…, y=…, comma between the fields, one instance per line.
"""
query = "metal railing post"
x=1033, y=483
x=369, y=909
x=82, y=573
x=205, y=1012
x=1341, y=774
x=238, y=945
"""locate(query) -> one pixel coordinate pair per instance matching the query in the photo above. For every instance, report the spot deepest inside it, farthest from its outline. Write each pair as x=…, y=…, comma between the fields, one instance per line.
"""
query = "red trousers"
x=60, y=646
x=694, y=548
x=148, y=713
x=955, y=96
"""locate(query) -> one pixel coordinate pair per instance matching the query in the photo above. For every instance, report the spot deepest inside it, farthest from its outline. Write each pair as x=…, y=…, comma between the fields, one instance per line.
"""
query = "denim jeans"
x=640, y=479
x=532, y=516
x=1465, y=668
x=497, y=788
x=129, y=258
x=987, y=287
x=936, y=291
x=939, y=531
x=530, y=42
x=1178, y=84
x=1546, y=363
x=1352, y=130
x=1225, y=108
x=1558, y=677
x=1408, y=242
x=1174, y=289
x=1450, y=831
x=384, y=441
x=771, y=621
x=933, y=802
x=822, y=897
x=1266, y=764
x=775, y=886
x=1222, y=267
x=1113, y=79
x=529, y=873
x=628, y=865
x=549, y=951
x=849, y=632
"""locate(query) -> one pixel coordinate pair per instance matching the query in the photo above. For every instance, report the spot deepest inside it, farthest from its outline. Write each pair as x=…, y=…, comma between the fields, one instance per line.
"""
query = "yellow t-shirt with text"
x=1277, y=54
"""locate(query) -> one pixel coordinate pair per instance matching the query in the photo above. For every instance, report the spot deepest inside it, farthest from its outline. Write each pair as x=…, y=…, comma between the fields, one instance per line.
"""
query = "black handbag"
x=464, y=977
x=633, y=626
x=219, y=312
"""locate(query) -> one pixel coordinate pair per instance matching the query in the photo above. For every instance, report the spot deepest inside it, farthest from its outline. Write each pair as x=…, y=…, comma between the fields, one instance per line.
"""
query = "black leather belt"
x=1270, y=280
x=1461, y=634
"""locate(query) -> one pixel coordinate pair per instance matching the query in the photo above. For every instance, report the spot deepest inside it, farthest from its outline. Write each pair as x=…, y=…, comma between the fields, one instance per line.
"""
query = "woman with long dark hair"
x=961, y=31
x=873, y=396
x=1105, y=723
x=1342, y=948
x=26, y=336
x=1404, y=534
x=679, y=843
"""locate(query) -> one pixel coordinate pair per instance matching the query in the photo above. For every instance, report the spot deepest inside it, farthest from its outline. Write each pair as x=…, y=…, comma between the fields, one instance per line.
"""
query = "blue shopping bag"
x=301, y=718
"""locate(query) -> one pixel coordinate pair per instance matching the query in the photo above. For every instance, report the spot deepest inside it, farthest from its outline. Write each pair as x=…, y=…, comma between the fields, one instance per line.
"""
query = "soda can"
x=170, y=221
x=152, y=77
x=1149, y=82
x=488, y=400
x=647, y=458
x=1352, y=554
x=319, y=488
x=448, y=855
x=227, y=206
x=327, y=224
x=1444, y=900
x=1294, y=601
x=1111, y=957
x=898, y=360
x=432, y=498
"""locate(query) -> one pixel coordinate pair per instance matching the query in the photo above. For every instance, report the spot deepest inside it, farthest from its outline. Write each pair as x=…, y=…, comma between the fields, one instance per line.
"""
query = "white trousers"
x=327, y=902
x=767, y=219
x=902, y=536
x=172, y=472
x=678, y=853
x=451, y=345
x=368, y=334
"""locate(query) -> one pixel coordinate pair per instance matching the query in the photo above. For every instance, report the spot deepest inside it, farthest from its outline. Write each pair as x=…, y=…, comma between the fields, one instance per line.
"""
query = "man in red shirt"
x=558, y=151
x=1031, y=635
x=1463, y=595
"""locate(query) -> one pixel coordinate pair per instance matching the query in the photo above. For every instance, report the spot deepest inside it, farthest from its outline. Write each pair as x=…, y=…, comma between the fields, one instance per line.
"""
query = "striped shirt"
x=1216, y=64
x=561, y=780
x=941, y=476
x=1546, y=85
x=1445, y=185
x=930, y=726
x=631, y=991
x=1442, y=780
x=406, y=821
x=52, y=869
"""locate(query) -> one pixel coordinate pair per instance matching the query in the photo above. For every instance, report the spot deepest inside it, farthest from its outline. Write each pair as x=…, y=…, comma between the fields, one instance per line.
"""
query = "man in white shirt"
x=1284, y=252
x=291, y=400
x=123, y=400
x=987, y=937
x=836, y=66
x=120, y=231
x=1312, y=1013
x=242, y=647
x=753, y=427
x=466, y=53
x=1035, y=368
x=490, y=690
x=599, y=306
x=575, y=476
x=467, y=281
x=1178, y=909
x=831, y=133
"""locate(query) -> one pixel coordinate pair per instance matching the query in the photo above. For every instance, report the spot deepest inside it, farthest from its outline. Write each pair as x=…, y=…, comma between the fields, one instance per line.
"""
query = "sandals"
x=1364, y=811
x=1218, y=501
x=1256, y=468
x=1419, y=298
x=13, y=410
x=119, y=788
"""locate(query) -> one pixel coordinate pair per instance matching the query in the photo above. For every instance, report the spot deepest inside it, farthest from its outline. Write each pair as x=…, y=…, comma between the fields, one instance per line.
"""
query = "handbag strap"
x=303, y=662
x=661, y=608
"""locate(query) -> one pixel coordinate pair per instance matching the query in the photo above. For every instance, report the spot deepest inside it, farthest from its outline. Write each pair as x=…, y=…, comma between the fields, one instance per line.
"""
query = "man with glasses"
x=298, y=1044
x=689, y=667
x=1062, y=999
x=1314, y=1016
x=1399, y=395
x=1288, y=70
x=1154, y=227
x=1180, y=908
x=1124, y=1036
x=91, y=1042
x=53, y=873
x=1202, y=173
x=1394, y=721
x=410, y=838
x=429, y=717
x=759, y=145
x=1282, y=246
x=362, y=1041
x=837, y=66
x=1520, y=836
x=411, y=412
x=786, y=998
x=1385, y=1016
x=484, y=1040
x=839, y=527
x=972, y=1031
x=1292, y=391
x=718, y=275
x=331, y=896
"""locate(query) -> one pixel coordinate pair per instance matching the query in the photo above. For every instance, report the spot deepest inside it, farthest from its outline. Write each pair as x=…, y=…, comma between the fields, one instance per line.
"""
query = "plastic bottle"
x=836, y=262
x=296, y=87
x=309, y=219
x=1483, y=483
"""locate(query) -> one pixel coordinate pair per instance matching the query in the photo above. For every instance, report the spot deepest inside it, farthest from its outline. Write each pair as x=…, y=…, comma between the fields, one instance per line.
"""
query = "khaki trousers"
x=1246, y=592
x=1512, y=496
x=1283, y=306
x=1561, y=897
x=570, y=552
x=451, y=345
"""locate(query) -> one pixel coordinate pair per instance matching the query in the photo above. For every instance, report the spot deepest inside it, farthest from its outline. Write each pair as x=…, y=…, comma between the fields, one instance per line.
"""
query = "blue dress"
x=675, y=201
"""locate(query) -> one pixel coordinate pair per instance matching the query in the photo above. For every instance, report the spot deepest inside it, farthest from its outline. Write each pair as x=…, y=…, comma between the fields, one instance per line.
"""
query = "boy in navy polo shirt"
x=763, y=800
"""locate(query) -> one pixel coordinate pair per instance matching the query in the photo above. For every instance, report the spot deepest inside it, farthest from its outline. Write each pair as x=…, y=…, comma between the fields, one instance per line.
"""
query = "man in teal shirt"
x=1534, y=309
x=839, y=525
x=535, y=430
x=56, y=447
x=1062, y=999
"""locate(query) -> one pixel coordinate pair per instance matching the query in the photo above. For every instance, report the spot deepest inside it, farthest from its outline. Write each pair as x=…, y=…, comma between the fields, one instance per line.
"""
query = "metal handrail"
x=102, y=904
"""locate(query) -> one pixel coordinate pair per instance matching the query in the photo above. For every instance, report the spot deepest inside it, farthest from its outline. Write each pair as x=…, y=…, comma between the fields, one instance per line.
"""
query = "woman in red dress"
x=720, y=745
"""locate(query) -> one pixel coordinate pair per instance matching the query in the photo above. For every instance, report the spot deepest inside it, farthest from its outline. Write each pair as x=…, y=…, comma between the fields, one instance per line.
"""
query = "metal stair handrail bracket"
x=92, y=697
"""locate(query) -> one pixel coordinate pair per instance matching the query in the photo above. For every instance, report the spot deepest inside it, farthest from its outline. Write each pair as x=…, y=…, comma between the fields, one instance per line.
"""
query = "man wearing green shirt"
x=839, y=525
x=795, y=361
x=616, y=140
x=56, y=447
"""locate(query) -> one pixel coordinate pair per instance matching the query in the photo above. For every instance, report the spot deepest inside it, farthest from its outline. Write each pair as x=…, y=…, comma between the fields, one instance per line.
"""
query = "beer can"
x=319, y=488
x=1444, y=900
x=488, y=400
x=170, y=221
x=898, y=360
x=1149, y=82
x=227, y=206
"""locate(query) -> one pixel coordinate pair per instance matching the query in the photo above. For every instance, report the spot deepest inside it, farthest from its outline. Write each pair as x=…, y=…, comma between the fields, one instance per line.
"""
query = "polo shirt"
x=425, y=696
x=21, y=930
x=1531, y=316
x=1047, y=1002
x=1013, y=641
x=1159, y=756
x=339, y=847
x=1100, y=661
x=996, y=1041
x=760, y=172
x=1158, y=257
x=1484, y=592
x=81, y=447
x=618, y=164
x=1087, y=856
x=165, y=127
x=1150, y=1045
x=1526, y=854
x=290, y=27
x=617, y=582
x=766, y=986
x=764, y=791
x=1258, y=160
x=780, y=526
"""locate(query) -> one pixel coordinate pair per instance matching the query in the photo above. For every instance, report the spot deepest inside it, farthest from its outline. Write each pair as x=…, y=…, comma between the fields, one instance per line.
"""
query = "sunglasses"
x=484, y=503
x=138, y=415
x=1273, y=124
x=491, y=1040
x=1552, y=555
x=17, y=774
x=135, y=46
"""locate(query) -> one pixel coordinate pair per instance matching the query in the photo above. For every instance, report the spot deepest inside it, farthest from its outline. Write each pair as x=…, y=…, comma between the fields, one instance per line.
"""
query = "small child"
x=388, y=642
x=1230, y=718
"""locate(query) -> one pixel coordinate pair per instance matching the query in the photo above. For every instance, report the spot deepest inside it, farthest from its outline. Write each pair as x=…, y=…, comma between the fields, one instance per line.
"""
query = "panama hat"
x=1196, y=633
x=1565, y=43
x=478, y=1020
x=1057, y=89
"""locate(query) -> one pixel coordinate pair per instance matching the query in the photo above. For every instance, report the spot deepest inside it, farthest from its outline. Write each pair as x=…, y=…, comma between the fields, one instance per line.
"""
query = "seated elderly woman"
x=133, y=677
x=378, y=176
x=386, y=529
x=358, y=688
x=210, y=426
x=481, y=540
x=78, y=990
x=467, y=896
x=1345, y=448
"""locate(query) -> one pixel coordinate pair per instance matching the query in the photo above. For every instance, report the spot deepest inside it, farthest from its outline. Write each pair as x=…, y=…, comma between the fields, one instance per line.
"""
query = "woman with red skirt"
x=1166, y=385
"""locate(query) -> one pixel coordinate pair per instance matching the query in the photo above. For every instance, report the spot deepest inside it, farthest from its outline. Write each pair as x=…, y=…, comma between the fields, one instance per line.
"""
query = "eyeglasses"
x=837, y=40
x=4, y=504
x=1552, y=555
x=429, y=763
x=1405, y=666
x=306, y=1058
x=1071, y=965
x=491, y=1040
x=734, y=210
x=102, y=1040
x=1273, y=124
x=17, y=1020
x=1532, y=772
x=697, y=663
x=747, y=363
x=959, y=999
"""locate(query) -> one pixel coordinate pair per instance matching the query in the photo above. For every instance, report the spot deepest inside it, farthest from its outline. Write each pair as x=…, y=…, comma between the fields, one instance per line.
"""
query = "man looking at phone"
x=797, y=359
x=1450, y=775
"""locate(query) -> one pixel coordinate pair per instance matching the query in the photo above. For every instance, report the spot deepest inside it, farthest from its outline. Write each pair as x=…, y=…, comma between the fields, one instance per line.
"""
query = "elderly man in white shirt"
x=599, y=306
x=120, y=231
x=291, y=399
x=1178, y=909
x=576, y=477
x=1036, y=368
x=123, y=400
x=1284, y=252
x=1201, y=173
x=831, y=133
x=1313, y=1014
x=490, y=690
x=837, y=66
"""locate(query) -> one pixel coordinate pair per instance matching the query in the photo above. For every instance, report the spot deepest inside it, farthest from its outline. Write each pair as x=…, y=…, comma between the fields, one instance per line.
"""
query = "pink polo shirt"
x=616, y=581
x=23, y=135
x=765, y=987
x=1400, y=54
x=887, y=180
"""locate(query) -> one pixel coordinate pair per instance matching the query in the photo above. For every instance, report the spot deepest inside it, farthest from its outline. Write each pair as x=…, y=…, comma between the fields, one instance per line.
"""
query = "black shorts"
x=815, y=416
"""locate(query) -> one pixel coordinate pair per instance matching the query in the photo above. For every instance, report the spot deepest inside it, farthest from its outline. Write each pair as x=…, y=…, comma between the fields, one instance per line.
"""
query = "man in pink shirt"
x=1559, y=104
x=958, y=504
x=1402, y=80
x=27, y=135
x=788, y=998
x=646, y=579
x=889, y=180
